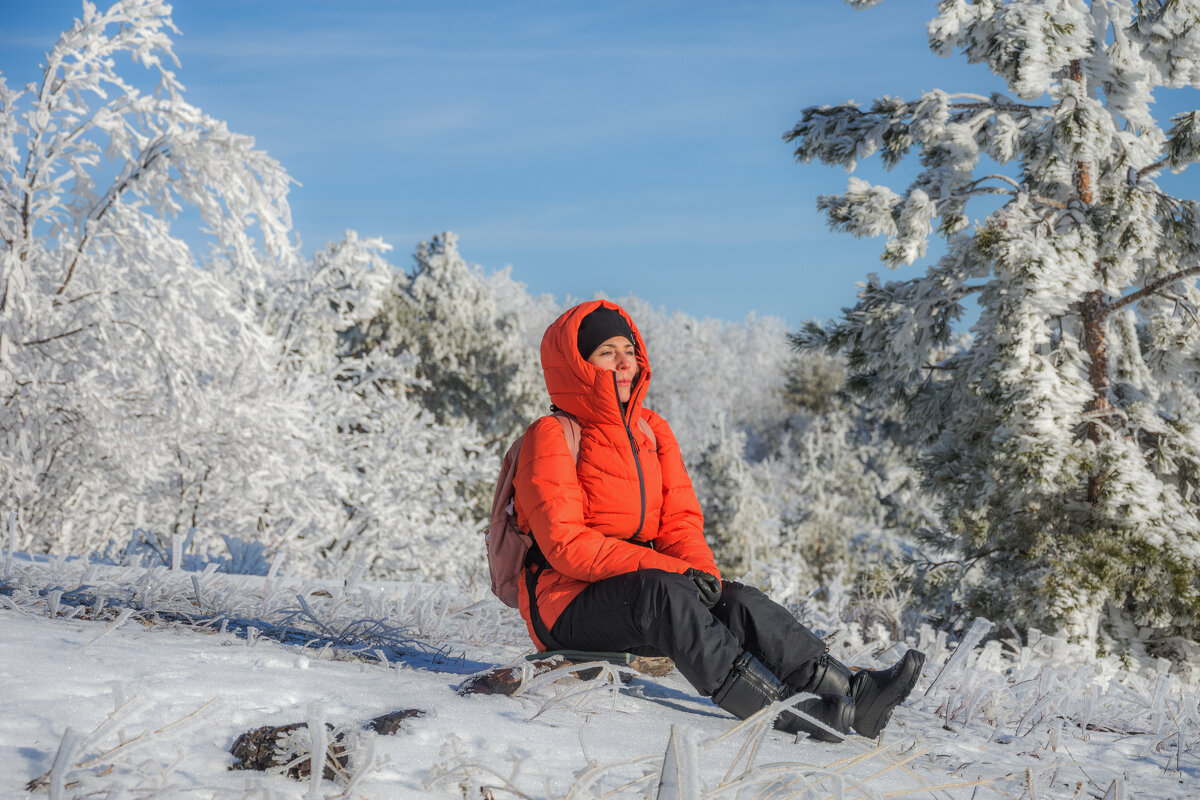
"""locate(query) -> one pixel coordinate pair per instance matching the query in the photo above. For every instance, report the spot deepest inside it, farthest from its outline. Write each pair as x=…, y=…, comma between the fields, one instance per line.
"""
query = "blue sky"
x=619, y=147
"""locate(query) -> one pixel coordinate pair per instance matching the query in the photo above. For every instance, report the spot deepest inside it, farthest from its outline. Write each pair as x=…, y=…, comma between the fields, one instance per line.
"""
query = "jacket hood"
x=579, y=387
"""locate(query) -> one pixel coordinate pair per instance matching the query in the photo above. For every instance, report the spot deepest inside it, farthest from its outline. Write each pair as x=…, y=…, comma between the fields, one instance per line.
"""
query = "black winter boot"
x=877, y=692
x=750, y=687
x=822, y=675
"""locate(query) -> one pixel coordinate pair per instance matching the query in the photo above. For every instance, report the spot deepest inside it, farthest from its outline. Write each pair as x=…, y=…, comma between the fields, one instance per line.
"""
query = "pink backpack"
x=507, y=544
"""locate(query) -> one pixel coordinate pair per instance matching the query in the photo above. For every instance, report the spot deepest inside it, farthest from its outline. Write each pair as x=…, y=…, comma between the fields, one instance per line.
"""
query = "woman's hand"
x=708, y=586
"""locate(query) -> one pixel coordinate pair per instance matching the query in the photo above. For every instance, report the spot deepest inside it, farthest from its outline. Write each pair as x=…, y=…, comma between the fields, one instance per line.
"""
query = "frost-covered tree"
x=114, y=344
x=475, y=336
x=1063, y=436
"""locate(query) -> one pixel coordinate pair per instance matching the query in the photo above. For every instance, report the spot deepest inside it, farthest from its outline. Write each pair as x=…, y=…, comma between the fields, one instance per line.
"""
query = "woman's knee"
x=658, y=591
x=735, y=596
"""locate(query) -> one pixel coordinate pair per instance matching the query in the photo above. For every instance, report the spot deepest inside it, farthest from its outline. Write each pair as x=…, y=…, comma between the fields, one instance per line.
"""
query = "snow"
x=149, y=696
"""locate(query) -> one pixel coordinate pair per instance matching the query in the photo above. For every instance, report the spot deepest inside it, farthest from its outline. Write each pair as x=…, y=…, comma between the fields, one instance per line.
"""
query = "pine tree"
x=475, y=337
x=1063, y=434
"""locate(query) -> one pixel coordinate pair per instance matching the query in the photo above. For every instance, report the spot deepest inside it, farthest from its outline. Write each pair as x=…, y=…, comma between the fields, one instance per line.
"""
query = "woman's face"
x=618, y=355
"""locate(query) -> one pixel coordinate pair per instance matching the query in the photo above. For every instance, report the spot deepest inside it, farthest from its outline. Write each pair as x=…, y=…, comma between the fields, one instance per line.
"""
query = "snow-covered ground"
x=119, y=683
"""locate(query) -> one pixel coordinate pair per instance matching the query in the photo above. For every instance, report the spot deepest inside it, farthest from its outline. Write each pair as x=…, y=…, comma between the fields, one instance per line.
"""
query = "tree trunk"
x=1094, y=315
x=1095, y=312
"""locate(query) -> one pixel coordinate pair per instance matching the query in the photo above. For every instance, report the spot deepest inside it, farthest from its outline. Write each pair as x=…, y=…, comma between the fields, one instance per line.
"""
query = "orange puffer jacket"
x=626, y=505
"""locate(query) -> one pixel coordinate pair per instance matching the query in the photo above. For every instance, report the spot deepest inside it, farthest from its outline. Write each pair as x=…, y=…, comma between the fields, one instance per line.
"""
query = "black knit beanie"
x=600, y=326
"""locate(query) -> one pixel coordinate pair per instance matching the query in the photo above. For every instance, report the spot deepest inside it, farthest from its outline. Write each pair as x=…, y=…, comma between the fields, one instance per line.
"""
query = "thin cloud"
x=545, y=232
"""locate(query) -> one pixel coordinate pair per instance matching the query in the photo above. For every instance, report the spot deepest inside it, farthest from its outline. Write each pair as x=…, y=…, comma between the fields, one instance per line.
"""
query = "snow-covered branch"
x=1153, y=288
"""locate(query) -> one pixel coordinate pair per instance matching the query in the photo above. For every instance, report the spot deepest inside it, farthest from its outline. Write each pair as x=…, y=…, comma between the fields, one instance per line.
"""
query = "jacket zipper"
x=637, y=462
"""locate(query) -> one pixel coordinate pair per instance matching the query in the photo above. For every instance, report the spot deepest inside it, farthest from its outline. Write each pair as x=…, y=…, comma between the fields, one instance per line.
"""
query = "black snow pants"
x=653, y=612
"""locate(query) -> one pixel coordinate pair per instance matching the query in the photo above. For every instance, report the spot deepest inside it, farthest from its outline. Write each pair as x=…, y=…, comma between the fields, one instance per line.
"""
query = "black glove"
x=708, y=586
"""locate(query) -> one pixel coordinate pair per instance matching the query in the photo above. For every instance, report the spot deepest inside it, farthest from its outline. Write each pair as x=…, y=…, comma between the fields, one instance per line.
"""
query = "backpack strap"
x=646, y=429
x=571, y=431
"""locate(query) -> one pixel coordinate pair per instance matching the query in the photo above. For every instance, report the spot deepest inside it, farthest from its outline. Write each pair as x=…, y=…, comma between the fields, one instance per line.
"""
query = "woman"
x=620, y=561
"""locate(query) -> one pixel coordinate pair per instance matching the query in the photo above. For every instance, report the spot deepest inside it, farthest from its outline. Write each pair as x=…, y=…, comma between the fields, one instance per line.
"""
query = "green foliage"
x=1183, y=140
x=814, y=381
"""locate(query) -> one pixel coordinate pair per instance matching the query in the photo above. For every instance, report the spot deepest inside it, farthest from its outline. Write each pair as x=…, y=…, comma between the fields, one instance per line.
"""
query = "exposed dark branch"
x=83, y=296
x=3, y=304
x=110, y=199
x=199, y=497
x=26, y=225
x=1151, y=288
x=967, y=563
x=136, y=327
x=974, y=191
x=63, y=335
x=1019, y=108
x=1157, y=165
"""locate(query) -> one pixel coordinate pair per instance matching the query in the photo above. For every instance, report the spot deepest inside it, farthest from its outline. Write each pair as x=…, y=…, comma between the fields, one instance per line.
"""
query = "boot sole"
x=913, y=661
